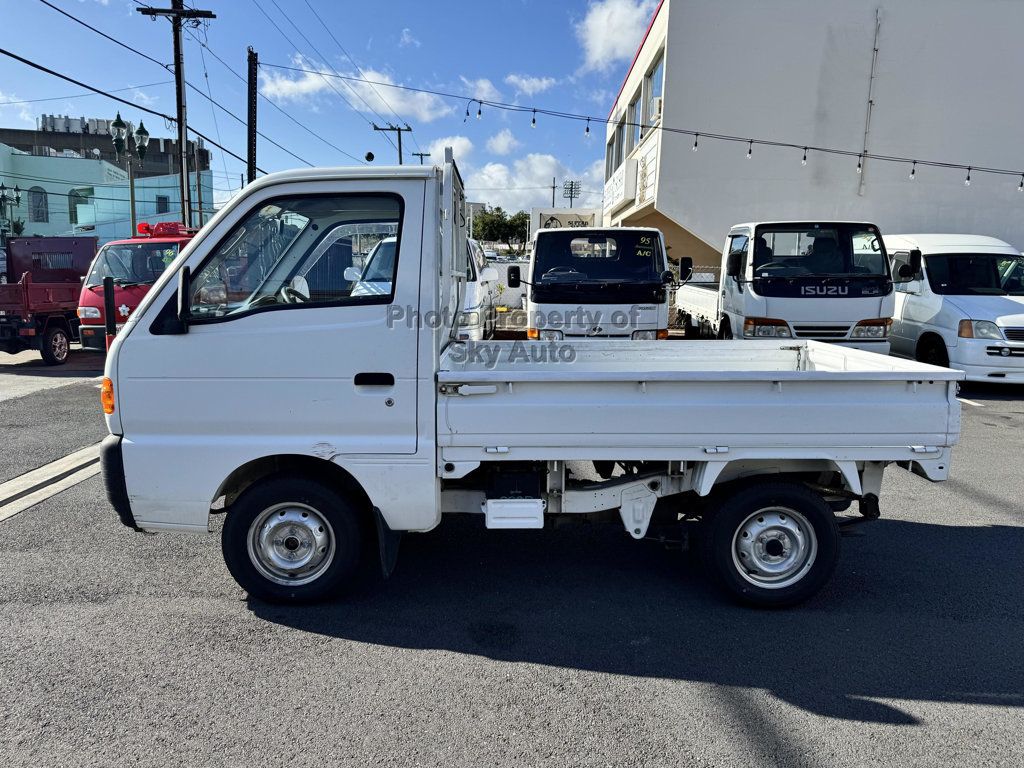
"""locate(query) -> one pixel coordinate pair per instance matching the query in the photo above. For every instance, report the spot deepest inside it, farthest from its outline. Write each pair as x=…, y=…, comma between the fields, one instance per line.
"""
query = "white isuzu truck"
x=322, y=425
x=597, y=283
x=827, y=281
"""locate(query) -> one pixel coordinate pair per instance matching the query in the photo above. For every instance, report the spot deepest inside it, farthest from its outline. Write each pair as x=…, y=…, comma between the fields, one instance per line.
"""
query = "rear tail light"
x=107, y=396
x=532, y=333
x=663, y=333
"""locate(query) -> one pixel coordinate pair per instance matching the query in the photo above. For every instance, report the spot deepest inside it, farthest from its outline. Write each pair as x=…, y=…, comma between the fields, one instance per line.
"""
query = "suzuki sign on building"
x=564, y=218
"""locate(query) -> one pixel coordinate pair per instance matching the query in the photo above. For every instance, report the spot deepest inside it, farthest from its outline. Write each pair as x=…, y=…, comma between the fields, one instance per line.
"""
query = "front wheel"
x=772, y=545
x=291, y=540
x=56, y=346
x=932, y=350
x=725, y=331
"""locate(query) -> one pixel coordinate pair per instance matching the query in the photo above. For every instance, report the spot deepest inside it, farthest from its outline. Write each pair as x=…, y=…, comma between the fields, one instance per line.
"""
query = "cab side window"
x=302, y=250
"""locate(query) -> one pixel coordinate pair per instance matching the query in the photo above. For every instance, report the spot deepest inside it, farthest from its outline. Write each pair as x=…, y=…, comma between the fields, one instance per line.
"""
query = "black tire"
x=56, y=346
x=932, y=350
x=283, y=499
x=725, y=331
x=721, y=537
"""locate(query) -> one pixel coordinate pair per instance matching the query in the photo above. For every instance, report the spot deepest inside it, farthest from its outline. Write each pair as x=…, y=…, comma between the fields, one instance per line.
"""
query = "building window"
x=38, y=206
x=654, y=87
x=609, y=159
x=636, y=119
x=620, y=142
x=77, y=197
x=163, y=204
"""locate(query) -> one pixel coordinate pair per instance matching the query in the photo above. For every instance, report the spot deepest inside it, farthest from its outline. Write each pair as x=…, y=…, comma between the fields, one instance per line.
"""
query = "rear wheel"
x=56, y=346
x=932, y=350
x=772, y=545
x=291, y=540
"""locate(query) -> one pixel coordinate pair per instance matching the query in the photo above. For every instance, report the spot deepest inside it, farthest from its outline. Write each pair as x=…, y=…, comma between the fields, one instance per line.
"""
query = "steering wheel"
x=292, y=296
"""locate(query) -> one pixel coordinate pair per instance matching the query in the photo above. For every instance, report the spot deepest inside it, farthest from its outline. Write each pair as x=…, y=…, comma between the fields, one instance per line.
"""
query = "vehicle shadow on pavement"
x=915, y=612
x=983, y=391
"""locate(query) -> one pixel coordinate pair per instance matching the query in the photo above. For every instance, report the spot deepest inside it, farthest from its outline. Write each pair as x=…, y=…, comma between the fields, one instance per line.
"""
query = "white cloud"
x=462, y=148
x=529, y=85
x=364, y=97
x=407, y=39
x=503, y=142
x=611, y=31
x=21, y=110
x=481, y=88
x=143, y=98
x=526, y=183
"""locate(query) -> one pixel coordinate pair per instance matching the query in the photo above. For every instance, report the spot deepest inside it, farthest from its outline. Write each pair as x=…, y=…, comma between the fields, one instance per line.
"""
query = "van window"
x=295, y=251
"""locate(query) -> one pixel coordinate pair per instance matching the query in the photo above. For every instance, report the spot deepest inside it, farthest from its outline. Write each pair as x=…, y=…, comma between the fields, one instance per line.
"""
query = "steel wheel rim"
x=59, y=346
x=774, y=547
x=291, y=544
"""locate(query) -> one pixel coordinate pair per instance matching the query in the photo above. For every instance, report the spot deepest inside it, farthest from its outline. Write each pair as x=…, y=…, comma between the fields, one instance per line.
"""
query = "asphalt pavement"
x=570, y=646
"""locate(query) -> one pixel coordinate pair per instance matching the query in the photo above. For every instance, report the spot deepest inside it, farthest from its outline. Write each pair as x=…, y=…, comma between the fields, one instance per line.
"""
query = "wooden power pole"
x=396, y=129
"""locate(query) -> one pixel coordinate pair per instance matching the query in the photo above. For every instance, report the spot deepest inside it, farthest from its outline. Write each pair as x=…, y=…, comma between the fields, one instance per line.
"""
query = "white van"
x=964, y=309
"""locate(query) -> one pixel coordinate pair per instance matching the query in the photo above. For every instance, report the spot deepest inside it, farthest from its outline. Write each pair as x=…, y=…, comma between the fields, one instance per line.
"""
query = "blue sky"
x=569, y=55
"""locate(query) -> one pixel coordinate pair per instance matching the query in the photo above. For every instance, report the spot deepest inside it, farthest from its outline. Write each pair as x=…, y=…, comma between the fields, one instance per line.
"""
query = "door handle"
x=374, y=380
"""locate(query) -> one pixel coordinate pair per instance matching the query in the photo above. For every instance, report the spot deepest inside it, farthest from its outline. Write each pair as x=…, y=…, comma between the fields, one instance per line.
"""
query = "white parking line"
x=970, y=402
x=29, y=489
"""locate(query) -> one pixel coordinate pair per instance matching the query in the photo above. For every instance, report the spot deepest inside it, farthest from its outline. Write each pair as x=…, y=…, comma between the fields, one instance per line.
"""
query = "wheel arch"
x=713, y=476
x=929, y=336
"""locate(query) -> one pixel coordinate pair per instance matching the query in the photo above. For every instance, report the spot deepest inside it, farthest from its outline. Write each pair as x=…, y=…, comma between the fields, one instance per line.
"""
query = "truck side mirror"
x=915, y=262
x=905, y=272
x=184, y=298
x=514, y=279
x=685, y=268
x=734, y=264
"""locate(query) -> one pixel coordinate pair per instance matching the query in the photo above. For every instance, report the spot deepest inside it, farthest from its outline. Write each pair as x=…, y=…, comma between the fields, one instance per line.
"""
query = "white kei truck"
x=597, y=283
x=827, y=281
x=323, y=424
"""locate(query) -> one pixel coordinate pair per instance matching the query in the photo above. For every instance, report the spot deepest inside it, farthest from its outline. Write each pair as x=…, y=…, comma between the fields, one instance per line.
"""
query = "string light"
x=467, y=112
x=587, y=131
x=696, y=136
x=750, y=148
x=804, y=161
x=913, y=170
x=967, y=181
x=860, y=163
x=1020, y=187
x=533, y=122
x=480, y=110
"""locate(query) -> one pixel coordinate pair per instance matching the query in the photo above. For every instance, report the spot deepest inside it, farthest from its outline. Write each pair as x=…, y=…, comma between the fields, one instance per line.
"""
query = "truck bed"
x=699, y=301
x=694, y=401
x=26, y=298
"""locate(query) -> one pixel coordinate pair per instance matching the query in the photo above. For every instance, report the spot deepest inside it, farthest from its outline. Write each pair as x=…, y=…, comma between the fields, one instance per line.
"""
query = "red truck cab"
x=135, y=264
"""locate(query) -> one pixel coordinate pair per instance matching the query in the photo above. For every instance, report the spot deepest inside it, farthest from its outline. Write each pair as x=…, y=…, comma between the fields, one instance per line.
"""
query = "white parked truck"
x=827, y=281
x=604, y=282
x=322, y=426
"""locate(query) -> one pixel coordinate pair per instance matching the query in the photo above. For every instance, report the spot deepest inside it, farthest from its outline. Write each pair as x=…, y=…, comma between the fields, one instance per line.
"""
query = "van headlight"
x=472, y=317
x=88, y=313
x=765, y=328
x=875, y=328
x=979, y=329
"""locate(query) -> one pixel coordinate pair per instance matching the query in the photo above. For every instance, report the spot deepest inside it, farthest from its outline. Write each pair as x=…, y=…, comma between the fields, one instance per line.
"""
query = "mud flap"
x=387, y=544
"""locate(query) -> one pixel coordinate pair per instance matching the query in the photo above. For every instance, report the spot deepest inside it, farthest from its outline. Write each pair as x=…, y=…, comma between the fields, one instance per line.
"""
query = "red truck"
x=38, y=305
x=134, y=264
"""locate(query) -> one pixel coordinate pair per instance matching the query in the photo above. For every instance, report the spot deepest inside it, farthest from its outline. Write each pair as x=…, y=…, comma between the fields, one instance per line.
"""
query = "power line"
x=61, y=11
x=697, y=135
x=101, y=92
x=138, y=180
x=213, y=112
x=83, y=95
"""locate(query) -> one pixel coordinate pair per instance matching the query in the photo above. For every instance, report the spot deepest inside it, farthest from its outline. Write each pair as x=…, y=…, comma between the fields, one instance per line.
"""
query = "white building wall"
x=946, y=89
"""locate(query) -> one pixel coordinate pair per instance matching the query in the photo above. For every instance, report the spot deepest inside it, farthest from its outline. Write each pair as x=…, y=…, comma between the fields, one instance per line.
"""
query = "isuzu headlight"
x=875, y=328
x=472, y=317
x=548, y=334
x=979, y=329
x=765, y=328
x=645, y=335
x=88, y=313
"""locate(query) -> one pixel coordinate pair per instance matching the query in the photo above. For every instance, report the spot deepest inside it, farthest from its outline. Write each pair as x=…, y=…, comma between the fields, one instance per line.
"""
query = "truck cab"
x=828, y=281
x=961, y=305
x=598, y=283
x=135, y=264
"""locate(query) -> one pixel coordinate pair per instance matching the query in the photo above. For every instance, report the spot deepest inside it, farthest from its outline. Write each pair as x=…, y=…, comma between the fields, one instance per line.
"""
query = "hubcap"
x=291, y=544
x=774, y=547
x=59, y=346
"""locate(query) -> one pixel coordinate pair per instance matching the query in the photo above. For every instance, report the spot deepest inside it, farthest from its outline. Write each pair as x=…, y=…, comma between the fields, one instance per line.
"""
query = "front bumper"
x=881, y=346
x=984, y=360
x=112, y=464
x=94, y=337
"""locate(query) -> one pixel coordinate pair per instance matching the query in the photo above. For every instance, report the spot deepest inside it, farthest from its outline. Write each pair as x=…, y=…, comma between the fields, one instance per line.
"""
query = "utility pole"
x=177, y=13
x=552, y=191
x=250, y=164
x=571, y=190
x=421, y=155
x=396, y=129
x=199, y=185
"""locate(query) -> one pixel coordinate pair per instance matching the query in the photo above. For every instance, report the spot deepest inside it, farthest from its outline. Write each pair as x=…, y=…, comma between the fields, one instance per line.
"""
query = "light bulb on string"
x=913, y=170
x=750, y=148
x=480, y=110
x=860, y=163
x=467, y=112
x=696, y=136
x=586, y=131
x=804, y=161
x=1020, y=187
x=967, y=181
x=533, y=122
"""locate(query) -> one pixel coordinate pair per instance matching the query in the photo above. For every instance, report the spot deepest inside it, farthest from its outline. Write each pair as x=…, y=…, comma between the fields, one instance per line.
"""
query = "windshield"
x=381, y=264
x=819, y=260
x=573, y=255
x=976, y=274
x=131, y=263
